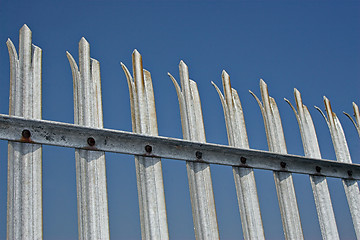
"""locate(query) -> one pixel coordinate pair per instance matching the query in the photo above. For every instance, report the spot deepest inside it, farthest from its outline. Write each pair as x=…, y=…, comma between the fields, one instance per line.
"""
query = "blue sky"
x=311, y=45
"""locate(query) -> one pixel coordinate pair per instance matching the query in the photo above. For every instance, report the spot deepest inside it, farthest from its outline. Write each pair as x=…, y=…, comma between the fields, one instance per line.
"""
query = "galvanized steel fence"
x=26, y=133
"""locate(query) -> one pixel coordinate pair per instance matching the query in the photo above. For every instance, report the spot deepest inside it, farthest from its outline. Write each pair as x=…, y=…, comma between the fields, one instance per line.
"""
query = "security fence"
x=26, y=133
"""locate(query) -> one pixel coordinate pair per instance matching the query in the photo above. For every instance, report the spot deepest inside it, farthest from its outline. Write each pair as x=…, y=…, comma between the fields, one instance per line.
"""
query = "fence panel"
x=26, y=133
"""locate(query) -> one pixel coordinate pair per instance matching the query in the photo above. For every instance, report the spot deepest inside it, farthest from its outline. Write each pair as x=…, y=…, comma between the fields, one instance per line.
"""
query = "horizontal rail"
x=69, y=135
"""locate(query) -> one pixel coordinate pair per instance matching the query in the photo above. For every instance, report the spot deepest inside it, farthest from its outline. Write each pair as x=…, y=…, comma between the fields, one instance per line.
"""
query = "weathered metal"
x=93, y=215
x=150, y=184
x=24, y=211
x=343, y=155
x=357, y=117
x=199, y=176
x=244, y=177
x=75, y=136
x=283, y=180
x=26, y=132
x=318, y=183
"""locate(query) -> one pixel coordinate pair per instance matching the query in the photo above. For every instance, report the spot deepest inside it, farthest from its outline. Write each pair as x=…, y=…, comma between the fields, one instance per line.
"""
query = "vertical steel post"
x=283, y=180
x=150, y=184
x=318, y=183
x=244, y=177
x=93, y=216
x=343, y=155
x=199, y=176
x=24, y=211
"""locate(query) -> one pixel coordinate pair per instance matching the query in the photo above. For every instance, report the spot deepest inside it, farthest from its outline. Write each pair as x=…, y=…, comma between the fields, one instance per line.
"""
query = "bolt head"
x=26, y=133
x=91, y=141
x=148, y=148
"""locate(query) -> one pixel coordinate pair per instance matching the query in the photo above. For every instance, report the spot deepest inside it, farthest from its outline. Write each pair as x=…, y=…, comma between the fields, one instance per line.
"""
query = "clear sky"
x=311, y=45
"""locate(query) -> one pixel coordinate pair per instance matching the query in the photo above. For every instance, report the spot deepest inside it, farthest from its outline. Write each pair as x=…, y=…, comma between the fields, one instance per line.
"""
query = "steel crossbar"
x=74, y=136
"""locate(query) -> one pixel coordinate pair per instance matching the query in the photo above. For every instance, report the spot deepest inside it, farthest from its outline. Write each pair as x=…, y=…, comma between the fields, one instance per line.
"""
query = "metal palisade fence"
x=26, y=133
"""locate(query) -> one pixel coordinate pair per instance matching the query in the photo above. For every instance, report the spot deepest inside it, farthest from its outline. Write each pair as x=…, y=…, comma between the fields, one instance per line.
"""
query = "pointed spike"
x=136, y=57
x=224, y=72
x=25, y=29
x=94, y=61
x=11, y=49
x=322, y=113
x=83, y=41
x=298, y=99
x=182, y=64
x=8, y=41
x=73, y=65
x=137, y=60
x=258, y=101
x=328, y=107
x=227, y=88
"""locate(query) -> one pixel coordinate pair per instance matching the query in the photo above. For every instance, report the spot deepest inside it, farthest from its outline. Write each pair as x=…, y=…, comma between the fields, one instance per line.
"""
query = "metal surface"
x=150, y=184
x=74, y=136
x=24, y=200
x=283, y=180
x=93, y=219
x=199, y=176
x=244, y=177
x=357, y=117
x=343, y=155
x=318, y=183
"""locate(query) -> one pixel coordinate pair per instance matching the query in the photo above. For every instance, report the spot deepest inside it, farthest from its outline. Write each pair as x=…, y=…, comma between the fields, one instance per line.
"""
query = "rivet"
x=283, y=164
x=198, y=155
x=350, y=173
x=148, y=148
x=243, y=160
x=91, y=141
x=318, y=169
x=26, y=133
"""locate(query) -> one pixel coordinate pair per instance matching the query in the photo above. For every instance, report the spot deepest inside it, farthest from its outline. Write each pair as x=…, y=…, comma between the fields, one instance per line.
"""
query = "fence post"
x=199, y=176
x=24, y=211
x=244, y=177
x=343, y=155
x=283, y=180
x=318, y=183
x=93, y=216
x=150, y=184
